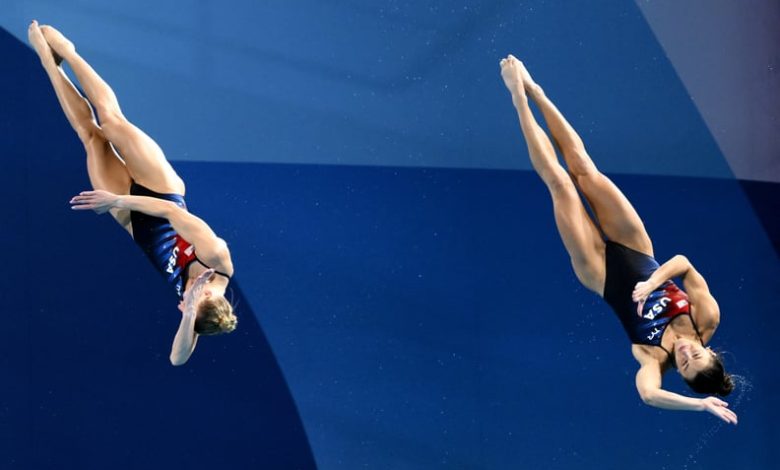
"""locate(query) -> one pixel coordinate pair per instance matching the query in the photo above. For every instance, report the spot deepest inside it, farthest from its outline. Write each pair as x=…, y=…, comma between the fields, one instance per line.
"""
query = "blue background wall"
x=417, y=303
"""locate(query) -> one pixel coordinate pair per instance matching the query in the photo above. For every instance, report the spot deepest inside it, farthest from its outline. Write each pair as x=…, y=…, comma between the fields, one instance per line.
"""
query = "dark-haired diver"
x=143, y=193
x=613, y=257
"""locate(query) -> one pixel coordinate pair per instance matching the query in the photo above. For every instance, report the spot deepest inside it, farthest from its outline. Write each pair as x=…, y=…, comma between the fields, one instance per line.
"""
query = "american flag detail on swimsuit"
x=661, y=306
x=172, y=256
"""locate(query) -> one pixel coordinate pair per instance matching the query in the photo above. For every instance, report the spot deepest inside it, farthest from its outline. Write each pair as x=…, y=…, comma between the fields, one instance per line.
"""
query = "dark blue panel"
x=765, y=199
x=430, y=319
x=88, y=322
x=422, y=318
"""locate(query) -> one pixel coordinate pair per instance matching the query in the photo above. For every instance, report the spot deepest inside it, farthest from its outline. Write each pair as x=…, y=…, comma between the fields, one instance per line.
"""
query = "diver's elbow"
x=648, y=397
x=177, y=361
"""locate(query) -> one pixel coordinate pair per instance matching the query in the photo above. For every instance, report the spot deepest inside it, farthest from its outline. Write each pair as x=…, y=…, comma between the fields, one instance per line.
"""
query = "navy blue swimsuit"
x=167, y=250
x=626, y=267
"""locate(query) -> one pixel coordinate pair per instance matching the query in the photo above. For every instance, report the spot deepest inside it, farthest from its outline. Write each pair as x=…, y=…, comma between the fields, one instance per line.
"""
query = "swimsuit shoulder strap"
x=209, y=267
x=695, y=328
x=667, y=352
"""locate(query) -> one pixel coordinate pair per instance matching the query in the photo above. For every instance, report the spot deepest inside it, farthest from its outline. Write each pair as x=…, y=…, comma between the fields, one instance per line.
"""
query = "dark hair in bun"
x=713, y=380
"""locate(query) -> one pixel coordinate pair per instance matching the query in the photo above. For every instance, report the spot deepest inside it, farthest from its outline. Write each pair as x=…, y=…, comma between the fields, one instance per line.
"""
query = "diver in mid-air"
x=612, y=255
x=133, y=181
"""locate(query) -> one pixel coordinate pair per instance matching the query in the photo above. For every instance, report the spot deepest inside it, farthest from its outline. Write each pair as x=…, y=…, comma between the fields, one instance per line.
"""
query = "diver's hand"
x=192, y=295
x=642, y=290
x=719, y=408
x=98, y=200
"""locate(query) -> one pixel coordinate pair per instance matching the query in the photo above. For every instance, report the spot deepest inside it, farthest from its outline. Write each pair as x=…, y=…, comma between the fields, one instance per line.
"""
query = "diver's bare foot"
x=38, y=42
x=531, y=87
x=60, y=45
x=513, y=79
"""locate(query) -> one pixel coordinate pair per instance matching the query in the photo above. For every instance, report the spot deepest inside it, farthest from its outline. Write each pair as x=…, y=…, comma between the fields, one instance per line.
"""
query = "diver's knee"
x=113, y=123
x=579, y=163
x=559, y=183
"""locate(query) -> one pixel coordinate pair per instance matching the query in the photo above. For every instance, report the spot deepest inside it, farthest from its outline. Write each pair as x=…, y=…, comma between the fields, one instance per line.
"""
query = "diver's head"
x=214, y=315
x=701, y=368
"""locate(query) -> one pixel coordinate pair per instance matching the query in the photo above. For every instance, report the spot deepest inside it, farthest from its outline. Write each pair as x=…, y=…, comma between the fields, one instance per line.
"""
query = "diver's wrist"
x=120, y=202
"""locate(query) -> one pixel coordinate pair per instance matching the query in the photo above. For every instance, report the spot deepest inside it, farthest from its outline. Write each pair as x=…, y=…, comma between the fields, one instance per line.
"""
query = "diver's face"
x=691, y=357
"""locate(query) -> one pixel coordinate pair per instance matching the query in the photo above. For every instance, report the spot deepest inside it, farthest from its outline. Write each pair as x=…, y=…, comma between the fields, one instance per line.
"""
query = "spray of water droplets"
x=742, y=387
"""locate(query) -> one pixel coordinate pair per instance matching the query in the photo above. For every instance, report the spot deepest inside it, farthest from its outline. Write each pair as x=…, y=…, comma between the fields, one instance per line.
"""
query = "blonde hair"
x=215, y=316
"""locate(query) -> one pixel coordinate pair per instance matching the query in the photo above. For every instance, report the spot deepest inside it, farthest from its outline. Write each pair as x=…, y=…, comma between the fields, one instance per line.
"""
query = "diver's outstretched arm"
x=212, y=249
x=186, y=339
x=648, y=383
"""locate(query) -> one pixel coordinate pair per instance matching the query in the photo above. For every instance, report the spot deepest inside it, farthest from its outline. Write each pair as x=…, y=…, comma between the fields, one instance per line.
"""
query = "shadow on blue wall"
x=765, y=199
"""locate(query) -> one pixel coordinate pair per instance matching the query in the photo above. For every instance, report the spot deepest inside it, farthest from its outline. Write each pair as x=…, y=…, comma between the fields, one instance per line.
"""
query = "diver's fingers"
x=639, y=306
x=205, y=275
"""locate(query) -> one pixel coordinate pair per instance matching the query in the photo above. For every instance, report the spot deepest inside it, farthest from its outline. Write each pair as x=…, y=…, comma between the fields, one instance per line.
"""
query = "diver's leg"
x=580, y=236
x=100, y=154
x=616, y=216
x=106, y=171
x=145, y=160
